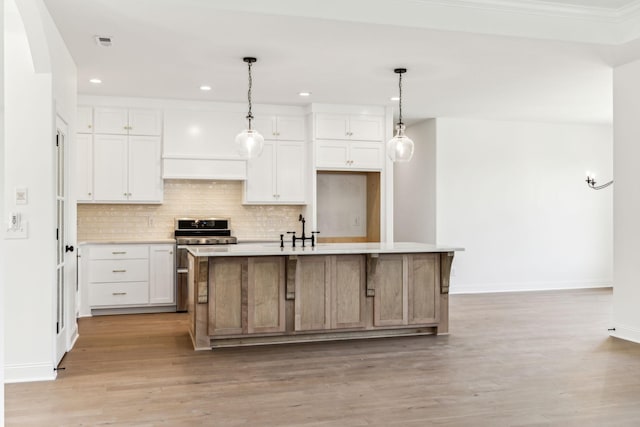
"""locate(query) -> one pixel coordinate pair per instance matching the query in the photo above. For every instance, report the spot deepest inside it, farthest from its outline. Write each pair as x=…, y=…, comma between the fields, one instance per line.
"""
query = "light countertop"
x=128, y=242
x=267, y=249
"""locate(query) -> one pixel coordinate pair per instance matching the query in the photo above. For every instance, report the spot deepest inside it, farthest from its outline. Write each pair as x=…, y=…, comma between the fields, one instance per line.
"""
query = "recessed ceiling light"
x=305, y=94
x=95, y=81
x=205, y=87
x=395, y=98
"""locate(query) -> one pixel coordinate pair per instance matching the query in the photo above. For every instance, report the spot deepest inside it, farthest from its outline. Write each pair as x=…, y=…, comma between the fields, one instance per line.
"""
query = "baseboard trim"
x=29, y=372
x=482, y=288
x=74, y=339
x=626, y=333
x=134, y=310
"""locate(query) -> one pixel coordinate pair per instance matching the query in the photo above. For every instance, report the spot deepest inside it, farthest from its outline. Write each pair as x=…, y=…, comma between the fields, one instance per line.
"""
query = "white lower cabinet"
x=161, y=273
x=128, y=276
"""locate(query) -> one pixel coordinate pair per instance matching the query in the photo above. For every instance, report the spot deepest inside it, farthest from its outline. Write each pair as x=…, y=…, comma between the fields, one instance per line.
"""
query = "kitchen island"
x=250, y=294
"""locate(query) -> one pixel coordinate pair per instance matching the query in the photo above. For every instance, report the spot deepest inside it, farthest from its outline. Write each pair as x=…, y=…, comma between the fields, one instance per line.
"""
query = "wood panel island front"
x=249, y=294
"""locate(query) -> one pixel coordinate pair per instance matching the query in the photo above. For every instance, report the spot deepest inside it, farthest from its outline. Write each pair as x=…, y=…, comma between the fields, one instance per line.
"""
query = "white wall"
x=2, y=211
x=414, y=216
x=626, y=125
x=342, y=204
x=35, y=59
x=513, y=195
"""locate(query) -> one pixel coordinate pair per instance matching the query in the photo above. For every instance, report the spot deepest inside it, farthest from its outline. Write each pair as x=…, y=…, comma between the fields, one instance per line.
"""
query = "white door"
x=62, y=291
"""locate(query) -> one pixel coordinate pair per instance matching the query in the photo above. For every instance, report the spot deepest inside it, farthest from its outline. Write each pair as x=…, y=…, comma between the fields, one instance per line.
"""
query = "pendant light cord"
x=250, y=116
x=400, y=100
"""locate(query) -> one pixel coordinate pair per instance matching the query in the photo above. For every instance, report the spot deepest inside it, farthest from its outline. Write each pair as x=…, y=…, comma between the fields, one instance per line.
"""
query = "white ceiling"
x=342, y=53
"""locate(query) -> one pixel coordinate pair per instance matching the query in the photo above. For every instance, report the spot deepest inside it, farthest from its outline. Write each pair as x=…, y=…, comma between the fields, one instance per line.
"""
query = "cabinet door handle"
x=119, y=271
x=89, y=126
x=118, y=293
x=119, y=252
x=89, y=194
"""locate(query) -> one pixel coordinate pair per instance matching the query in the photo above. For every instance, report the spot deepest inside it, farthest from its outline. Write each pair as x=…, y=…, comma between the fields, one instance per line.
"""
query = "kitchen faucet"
x=304, y=237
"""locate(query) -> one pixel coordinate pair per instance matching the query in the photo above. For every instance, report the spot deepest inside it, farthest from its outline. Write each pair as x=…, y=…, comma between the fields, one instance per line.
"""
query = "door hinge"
x=57, y=140
x=57, y=327
x=57, y=234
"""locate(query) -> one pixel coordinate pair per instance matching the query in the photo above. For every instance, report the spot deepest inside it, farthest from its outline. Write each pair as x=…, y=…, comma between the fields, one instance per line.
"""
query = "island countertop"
x=271, y=249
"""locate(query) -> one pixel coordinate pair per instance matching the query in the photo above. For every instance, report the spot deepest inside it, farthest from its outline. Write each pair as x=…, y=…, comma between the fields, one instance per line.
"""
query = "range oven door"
x=182, y=285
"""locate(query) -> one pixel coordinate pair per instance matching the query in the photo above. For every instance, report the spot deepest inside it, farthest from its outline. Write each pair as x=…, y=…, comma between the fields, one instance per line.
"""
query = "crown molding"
x=538, y=7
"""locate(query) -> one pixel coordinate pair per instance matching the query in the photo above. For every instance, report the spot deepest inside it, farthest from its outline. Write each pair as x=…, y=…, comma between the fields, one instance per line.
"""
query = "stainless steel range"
x=196, y=231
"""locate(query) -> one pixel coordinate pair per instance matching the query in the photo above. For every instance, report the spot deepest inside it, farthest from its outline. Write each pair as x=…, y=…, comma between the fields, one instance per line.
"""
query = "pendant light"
x=400, y=147
x=249, y=142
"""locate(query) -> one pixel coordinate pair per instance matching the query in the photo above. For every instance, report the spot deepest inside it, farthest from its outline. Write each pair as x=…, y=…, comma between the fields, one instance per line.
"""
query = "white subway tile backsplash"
x=186, y=198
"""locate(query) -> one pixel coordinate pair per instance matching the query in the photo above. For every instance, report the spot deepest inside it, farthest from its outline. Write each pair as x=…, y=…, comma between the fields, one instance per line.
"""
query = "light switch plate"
x=22, y=196
x=20, y=233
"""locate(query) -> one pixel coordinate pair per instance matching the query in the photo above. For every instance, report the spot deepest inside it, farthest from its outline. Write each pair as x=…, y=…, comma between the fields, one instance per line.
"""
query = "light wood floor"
x=525, y=359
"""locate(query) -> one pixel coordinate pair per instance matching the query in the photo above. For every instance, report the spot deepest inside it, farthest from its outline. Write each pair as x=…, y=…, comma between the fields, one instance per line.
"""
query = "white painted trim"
x=73, y=338
x=160, y=103
x=626, y=333
x=479, y=288
x=536, y=7
x=368, y=110
x=29, y=372
x=204, y=168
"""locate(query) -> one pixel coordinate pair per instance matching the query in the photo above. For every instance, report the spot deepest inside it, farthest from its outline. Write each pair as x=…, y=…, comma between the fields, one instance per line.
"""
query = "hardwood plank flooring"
x=512, y=359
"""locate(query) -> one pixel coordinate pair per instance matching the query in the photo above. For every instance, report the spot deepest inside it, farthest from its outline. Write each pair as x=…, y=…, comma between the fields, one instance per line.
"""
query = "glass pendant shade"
x=400, y=147
x=249, y=144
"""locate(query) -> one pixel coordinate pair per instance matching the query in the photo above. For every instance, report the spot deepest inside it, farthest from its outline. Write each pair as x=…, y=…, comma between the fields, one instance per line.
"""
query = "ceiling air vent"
x=103, y=41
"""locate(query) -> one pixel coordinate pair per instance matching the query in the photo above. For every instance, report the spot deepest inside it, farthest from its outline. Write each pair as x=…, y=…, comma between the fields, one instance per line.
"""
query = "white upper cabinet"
x=278, y=175
x=127, y=169
x=110, y=168
x=84, y=120
x=84, y=167
x=347, y=155
x=281, y=128
x=144, y=169
x=127, y=121
x=349, y=127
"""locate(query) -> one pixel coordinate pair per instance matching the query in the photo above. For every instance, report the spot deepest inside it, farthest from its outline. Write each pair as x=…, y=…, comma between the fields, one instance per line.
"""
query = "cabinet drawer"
x=113, y=294
x=125, y=270
x=119, y=252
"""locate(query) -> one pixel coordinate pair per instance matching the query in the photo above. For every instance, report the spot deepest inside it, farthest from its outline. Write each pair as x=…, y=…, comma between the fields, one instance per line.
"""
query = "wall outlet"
x=151, y=221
